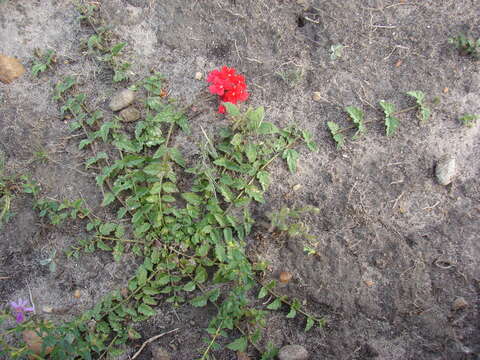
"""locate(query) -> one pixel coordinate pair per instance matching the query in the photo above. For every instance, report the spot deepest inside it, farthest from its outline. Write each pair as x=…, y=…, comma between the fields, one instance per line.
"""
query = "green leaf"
x=418, y=95
x=169, y=187
x=108, y=199
x=337, y=136
x=264, y=179
x=133, y=334
x=292, y=157
x=177, y=157
x=231, y=109
x=141, y=275
x=251, y=152
x=84, y=143
x=239, y=344
x=292, y=313
x=146, y=310
x=266, y=128
x=190, y=286
x=106, y=229
x=192, y=198
x=154, y=168
x=425, y=113
x=357, y=117
x=310, y=323
x=263, y=292
x=228, y=235
x=220, y=252
x=199, y=301
x=236, y=140
x=275, y=305
x=391, y=124
x=256, y=117
x=200, y=274
x=228, y=164
x=255, y=193
x=388, y=108
x=203, y=249
x=102, y=246
x=115, y=50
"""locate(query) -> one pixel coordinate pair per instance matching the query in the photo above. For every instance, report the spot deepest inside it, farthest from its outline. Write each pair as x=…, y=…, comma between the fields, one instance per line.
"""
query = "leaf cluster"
x=466, y=45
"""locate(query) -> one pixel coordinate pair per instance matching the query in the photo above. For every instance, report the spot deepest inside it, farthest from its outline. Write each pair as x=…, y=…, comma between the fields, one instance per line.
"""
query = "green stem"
x=217, y=333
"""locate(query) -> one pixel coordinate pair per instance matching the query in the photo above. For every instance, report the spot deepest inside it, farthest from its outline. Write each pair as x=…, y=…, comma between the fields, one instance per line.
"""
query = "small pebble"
x=198, y=75
x=130, y=114
x=445, y=170
x=47, y=309
x=297, y=187
x=293, y=352
x=316, y=96
x=459, y=304
x=77, y=293
x=285, y=277
x=122, y=99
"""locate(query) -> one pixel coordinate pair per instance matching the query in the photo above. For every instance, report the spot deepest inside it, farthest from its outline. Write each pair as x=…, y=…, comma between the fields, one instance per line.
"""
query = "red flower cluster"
x=229, y=86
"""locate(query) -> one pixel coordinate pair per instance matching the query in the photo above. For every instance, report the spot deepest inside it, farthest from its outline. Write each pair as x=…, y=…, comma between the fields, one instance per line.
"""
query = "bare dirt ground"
x=395, y=248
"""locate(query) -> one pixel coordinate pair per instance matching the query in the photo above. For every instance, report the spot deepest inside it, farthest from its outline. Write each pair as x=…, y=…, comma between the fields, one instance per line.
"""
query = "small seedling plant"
x=190, y=237
x=469, y=120
x=43, y=62
x=391, y=120
x=466, y=45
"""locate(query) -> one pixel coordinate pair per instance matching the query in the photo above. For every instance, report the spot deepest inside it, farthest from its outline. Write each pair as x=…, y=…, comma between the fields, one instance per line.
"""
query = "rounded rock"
x=122, y=99
x=198, y=75
x=130, y=114
x=293, y=352
x=446, y=170
x=459, y=304
x=10, y=69
x=317, y=96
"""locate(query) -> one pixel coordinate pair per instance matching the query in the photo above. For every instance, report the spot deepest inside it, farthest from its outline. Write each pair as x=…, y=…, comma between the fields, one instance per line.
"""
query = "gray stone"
x=293, y=352
x=446, y=170
x=122, y=99
x=459, y=304
x=130, y=114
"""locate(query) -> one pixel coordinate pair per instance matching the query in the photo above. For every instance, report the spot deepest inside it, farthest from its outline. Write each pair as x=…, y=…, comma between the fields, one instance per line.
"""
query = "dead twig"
x=151, y=340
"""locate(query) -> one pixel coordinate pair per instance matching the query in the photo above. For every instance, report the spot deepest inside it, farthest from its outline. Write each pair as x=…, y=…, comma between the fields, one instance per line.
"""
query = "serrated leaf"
x=134, y=334
x=266, y=128
x=169, y=187
x=192, y=198
x=237, y=139
x=418, y=95
x=391, y=125
x=357, y=117
x=146, y=310
x=263, y=292
x=255, y=193
x=200, y=275
x=106, y=229
x=264, y=179
x=84, y=143
x=220, y=252
x=199, y=301
x=275, y=305
x=153, y=168
x=177, y=157
x=231, y=109
x=291, y=155
x=102, y=246
x=256, y=117
x=190, y=286
x=239, y=344
x=310, y=323
x=388, y=108
x=115, y=50
x=425, y=113
x=141, y=275
x=251, y=152
x=228, y=164
x=292, y=313
x=203, y=249
x=108, y=199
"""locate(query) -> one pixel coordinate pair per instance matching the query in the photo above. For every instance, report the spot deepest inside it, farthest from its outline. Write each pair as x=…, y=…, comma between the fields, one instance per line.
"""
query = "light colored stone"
x=459, y=304
x=293, y=352
x=446, y=170
x=122, y=99
x=198, y=75
x=130, y=114
x=10, y=69
x=316, y=96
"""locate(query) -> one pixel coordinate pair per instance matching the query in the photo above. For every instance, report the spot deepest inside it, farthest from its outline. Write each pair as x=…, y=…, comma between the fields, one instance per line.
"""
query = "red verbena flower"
x=231, y=87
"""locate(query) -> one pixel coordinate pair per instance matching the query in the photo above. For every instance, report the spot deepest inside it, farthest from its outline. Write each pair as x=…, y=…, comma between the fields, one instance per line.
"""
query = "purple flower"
x=19, y=309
